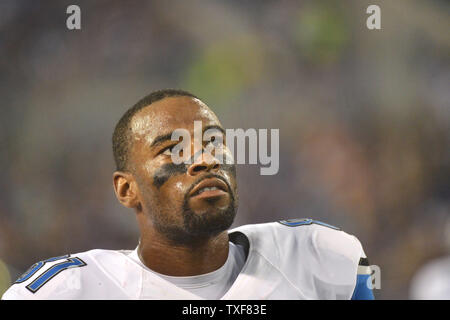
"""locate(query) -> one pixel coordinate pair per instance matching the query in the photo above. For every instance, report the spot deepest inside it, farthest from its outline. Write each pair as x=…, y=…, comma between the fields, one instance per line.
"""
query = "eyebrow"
x=160, y=139
x=213, y=126
x=168, y=136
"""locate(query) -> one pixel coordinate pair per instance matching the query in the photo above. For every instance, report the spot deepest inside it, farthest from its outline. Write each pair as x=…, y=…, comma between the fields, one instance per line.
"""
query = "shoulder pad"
x=63, y=277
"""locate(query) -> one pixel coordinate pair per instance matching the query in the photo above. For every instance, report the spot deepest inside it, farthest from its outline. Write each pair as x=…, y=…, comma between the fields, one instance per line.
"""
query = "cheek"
x=179, y=187
x=148, y=174
x=171, y=195
x=149, y=168
x=168, y=171
x=166, y=178
x=173, y=187
x=229, y=171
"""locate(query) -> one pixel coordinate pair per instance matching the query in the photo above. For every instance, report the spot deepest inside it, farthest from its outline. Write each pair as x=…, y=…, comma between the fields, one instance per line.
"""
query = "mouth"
x=208, y=188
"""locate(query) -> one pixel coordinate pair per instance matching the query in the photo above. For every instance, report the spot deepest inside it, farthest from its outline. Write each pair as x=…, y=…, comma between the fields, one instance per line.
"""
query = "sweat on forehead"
x=169, y=114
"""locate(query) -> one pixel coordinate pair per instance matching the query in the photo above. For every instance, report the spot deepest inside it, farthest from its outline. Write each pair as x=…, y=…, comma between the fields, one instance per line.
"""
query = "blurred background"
x=364, y=118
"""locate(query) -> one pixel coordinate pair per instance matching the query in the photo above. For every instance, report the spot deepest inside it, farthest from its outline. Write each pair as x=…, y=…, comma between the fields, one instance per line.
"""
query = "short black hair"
x=121, y=137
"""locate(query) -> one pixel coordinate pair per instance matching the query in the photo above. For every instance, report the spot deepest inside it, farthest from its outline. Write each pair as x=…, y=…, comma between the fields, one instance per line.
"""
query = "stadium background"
x=364, y=118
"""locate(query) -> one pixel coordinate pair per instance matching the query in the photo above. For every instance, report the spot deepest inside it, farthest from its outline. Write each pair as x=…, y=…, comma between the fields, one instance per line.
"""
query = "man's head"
x=169, y=197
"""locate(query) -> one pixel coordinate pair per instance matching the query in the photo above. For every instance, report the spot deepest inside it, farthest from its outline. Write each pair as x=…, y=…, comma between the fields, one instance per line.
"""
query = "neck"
x=162, y=256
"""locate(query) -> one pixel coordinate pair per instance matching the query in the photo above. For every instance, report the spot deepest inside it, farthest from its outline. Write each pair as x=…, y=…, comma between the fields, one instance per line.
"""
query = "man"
x=184, y=212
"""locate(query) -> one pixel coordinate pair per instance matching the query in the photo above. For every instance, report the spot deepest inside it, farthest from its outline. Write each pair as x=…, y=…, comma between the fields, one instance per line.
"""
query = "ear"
x=126, y=189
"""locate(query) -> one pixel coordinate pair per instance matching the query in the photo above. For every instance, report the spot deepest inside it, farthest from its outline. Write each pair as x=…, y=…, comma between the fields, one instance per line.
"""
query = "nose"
x=205, y=162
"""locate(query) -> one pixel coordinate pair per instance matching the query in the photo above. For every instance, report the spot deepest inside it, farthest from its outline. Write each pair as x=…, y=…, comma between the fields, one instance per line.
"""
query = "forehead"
x=168, y=114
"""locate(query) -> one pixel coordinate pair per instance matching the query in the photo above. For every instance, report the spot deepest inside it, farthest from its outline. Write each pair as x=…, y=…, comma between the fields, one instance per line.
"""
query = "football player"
x=184, y=212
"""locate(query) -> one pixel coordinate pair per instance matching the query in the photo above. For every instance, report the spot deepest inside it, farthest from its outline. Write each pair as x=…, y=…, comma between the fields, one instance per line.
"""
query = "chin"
x=210, y=222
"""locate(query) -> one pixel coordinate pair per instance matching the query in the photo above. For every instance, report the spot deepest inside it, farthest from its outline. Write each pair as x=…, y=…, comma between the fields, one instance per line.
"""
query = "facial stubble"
x=195, y=227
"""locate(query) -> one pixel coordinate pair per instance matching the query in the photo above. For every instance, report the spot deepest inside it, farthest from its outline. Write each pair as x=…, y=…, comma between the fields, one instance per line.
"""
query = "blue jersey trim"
x=362, y=290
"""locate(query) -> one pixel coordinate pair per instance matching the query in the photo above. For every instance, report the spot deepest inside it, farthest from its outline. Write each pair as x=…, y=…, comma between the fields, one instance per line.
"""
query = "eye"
x=168, y=150
x=216, y=142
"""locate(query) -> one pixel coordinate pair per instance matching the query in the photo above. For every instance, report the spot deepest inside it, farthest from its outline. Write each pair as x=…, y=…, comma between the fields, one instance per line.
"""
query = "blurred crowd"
x=364, y=118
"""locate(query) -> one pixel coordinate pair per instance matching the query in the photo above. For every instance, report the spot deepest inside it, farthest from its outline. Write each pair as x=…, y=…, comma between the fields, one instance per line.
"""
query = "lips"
x=211, y=186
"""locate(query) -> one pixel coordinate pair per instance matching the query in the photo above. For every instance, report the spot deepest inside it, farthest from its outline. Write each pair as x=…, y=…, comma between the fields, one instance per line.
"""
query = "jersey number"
x=70, y=262
x=302, y=222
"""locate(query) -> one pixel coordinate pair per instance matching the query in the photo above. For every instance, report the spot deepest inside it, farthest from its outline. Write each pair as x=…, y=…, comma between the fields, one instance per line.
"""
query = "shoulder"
x=69, y=276
x=305, y=235
x=318, y=258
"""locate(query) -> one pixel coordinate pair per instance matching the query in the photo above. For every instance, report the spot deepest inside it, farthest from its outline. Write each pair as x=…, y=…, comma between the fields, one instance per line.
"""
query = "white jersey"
x=292, y=259
x=212, y=285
